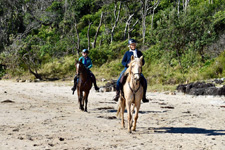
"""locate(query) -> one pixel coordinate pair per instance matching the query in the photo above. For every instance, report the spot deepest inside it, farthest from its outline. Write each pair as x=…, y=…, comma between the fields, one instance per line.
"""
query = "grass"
x=160, y=77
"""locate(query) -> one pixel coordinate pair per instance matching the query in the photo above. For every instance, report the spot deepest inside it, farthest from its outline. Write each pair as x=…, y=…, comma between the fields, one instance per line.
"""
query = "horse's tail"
x=121, y=105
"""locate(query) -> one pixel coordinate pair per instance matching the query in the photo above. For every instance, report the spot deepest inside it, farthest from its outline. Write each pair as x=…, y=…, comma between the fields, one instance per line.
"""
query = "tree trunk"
x=78, y=38
x=88, y=35
x=153, y=12
x=96, y=34
x=127, y=26
x=186, y=5
x=116, y=20
x=146, y=8
x=37, y=75
x=178, y=7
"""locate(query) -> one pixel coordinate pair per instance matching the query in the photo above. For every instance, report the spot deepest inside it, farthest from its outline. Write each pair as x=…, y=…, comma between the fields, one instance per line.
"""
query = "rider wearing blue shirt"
x=88, y=64
x=125, y=61
x=86, y=61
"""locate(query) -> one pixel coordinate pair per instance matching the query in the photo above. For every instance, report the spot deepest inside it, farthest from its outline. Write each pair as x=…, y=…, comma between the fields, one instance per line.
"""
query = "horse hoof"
x=81, y=108
x=133, y=129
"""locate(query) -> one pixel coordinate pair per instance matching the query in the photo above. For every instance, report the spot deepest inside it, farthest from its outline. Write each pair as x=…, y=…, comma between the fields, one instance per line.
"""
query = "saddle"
x=122, y=81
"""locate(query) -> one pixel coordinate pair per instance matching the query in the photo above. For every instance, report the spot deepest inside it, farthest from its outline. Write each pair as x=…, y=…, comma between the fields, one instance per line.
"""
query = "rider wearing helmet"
x=88, y=64
x=125, y=61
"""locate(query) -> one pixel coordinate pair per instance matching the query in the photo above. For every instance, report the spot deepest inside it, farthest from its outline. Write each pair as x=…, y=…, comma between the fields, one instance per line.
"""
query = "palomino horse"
x=133, y=93
x=84, y=85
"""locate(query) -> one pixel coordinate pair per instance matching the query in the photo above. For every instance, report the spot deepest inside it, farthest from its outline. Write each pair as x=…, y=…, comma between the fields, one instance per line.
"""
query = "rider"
x=88, y=64
x=125, y=61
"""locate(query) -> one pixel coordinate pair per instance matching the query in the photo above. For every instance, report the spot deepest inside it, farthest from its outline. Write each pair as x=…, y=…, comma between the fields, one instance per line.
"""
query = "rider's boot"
x=94, y=81
x=144, y=84
x=74, y=84
x=117, y=96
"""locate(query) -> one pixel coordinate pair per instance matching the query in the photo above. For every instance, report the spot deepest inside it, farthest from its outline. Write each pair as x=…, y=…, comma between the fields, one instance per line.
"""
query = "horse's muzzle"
x=137, y=76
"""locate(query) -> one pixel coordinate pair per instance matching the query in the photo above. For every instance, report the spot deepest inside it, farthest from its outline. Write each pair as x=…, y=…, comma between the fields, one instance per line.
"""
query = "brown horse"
x=133, y=93
x=84, y=85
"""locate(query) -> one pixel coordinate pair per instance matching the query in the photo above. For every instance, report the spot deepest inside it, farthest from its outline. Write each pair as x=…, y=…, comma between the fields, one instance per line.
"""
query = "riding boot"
x=93, y=79
x=144, y=84
x=144, y=99
x=74, y=84
x=117, y=96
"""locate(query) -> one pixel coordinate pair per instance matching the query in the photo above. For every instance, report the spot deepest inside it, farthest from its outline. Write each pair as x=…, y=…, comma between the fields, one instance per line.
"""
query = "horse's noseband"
x=139, y=74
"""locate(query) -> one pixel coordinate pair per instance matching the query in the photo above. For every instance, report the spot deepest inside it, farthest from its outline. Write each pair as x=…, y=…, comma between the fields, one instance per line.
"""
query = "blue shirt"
x=86, y=61
x=127, y=58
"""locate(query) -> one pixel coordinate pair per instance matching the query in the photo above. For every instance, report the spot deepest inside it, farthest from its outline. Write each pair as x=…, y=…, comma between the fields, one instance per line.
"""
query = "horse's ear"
x=132, y=57
x=75, y=62
x=141, y=58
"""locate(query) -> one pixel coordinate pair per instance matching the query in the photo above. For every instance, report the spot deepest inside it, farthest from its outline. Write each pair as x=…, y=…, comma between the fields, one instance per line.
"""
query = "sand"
x=45, y=115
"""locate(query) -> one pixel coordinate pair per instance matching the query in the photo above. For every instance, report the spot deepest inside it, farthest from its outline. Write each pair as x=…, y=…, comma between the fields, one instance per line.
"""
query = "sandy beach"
x=45, y=115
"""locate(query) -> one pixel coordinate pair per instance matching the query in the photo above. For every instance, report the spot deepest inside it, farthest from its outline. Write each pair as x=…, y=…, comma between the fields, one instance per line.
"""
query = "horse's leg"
x=86, y=93
x=129, y=115
x=79, y=98
x=81, y=101
x=122, y=107
x=136, y=115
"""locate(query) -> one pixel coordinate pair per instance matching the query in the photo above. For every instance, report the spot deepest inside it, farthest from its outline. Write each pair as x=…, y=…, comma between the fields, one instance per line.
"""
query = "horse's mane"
x=129, y=66
x=128, y=71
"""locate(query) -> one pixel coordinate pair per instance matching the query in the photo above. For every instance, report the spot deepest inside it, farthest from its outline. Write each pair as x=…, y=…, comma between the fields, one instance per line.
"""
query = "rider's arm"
x=89, y=64
x=124, y=60
x=140, y=54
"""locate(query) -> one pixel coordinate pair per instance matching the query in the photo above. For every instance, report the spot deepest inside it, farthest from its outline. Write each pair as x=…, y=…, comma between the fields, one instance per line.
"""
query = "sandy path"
x=45, y=115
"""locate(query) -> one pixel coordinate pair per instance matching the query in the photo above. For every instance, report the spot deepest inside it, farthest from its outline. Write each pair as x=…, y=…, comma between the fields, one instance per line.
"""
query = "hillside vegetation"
x=182, y=40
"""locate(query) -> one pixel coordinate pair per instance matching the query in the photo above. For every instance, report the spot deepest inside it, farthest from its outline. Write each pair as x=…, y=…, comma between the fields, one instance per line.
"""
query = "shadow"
x=112, y=111
x=188, y=130
x=140, y=112
x=108, y=102
x=148, y=112
x=107, y=117
x=104, y=108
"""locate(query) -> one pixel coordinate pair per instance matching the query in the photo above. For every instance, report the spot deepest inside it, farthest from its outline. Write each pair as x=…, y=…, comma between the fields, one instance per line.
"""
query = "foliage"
x=41, y=37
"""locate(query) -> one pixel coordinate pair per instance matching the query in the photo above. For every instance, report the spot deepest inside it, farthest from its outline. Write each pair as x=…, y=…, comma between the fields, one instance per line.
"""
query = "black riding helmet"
x=84, y=51
x=131, y=41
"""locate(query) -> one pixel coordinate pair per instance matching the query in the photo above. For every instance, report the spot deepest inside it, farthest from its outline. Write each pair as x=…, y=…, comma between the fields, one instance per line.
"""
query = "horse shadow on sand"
x=182, y=130
x=162, y=130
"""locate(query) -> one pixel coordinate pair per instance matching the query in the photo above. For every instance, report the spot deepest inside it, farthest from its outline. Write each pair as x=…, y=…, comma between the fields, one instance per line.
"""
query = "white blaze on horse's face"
x=78, y=65
x=136, y=69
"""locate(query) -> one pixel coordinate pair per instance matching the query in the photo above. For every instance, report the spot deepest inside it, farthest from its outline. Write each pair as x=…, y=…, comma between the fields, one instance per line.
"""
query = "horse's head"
x=135, y=67
x=80, y=68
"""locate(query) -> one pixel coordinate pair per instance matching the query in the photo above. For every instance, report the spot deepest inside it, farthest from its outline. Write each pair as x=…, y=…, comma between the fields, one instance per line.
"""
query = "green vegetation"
x=180, y=42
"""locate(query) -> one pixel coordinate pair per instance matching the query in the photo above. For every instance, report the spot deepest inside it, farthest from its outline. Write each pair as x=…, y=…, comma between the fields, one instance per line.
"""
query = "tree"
x=132, y=17
x=116, y=14
x=99, y=26
x=147, y=6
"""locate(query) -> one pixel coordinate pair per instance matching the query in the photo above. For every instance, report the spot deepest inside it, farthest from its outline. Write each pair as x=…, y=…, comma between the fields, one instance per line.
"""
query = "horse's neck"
x=84, y=75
